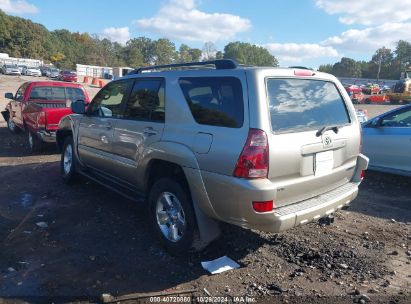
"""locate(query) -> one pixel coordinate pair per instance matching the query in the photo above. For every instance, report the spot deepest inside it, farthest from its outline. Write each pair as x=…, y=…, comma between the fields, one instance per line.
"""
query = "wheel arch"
x=180, y=163
x=66, y=126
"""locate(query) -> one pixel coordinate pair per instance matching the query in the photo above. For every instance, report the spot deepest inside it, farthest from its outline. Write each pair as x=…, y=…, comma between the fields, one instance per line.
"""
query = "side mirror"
x=9, y=96
x=78, y=107
x=377, y=122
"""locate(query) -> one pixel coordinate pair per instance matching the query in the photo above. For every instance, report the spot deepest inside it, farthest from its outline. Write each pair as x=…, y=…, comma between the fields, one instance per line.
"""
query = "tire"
x=33, y=143
x=12, y=126
x=367, y=101
x=172, y=216
x=68, y=163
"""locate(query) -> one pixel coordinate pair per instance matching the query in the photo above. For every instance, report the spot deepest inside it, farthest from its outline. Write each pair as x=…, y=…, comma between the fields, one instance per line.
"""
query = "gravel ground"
x=62, y=243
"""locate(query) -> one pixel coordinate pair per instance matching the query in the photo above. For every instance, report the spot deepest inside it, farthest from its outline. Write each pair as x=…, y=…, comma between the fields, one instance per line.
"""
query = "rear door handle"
x=149, y=131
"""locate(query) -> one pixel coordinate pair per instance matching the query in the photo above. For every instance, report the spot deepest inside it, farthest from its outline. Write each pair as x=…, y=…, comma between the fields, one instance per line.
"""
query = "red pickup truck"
x=37, y=108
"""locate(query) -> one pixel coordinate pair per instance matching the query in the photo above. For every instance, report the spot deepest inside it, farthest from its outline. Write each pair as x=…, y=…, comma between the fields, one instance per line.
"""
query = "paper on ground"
x=220, y=265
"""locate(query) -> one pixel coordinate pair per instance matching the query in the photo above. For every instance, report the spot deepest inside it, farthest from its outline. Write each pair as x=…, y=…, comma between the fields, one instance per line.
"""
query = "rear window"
x=216, y=101
x=56, y=93
x=302, y=104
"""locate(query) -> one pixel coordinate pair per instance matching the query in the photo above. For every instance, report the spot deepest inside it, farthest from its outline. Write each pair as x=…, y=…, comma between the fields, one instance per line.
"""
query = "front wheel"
x=67, y=162
x=172, y=216
x=12, y=126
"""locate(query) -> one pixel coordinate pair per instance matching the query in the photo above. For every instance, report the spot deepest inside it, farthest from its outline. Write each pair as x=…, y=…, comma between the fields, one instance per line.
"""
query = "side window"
x=20, y=92
x=107, y=102
x=398, y=119
x=146, y=101
x=216, y=101
x=74, y=94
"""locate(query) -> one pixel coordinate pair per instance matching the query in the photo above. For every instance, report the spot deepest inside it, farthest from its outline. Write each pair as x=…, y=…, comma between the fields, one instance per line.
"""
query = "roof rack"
x=220, y=64
x=299, y=67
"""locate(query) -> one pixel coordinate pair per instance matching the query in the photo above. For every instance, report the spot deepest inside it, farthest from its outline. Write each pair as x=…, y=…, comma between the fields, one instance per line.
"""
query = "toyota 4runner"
x=261, y=148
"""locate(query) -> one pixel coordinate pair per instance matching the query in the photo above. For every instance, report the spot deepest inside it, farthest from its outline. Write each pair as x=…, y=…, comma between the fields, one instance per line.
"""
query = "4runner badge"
x=327, y=142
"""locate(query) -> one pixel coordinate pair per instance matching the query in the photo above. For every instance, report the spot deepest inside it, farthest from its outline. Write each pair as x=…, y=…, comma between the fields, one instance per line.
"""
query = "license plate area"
x=323, y=162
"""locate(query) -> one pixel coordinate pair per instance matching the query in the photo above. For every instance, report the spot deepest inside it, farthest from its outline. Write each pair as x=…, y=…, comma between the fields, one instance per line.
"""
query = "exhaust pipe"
x=326, y=221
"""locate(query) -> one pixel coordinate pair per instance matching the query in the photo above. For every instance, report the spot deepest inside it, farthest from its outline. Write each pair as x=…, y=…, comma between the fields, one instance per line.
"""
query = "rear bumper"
x=310, y=210
x=47, y=136
x=231, y=199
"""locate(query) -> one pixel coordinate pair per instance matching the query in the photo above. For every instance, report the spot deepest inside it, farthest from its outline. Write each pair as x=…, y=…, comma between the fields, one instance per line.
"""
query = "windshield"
x=304, y=104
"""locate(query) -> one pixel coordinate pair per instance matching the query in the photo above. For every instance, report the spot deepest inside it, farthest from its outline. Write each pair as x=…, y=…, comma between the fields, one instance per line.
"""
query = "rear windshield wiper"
x=326, y=128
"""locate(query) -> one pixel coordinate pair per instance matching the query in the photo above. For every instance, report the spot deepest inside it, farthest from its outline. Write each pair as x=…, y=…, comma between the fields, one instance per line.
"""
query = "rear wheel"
x=34, y=144
x=68, y=162
x=172, y=216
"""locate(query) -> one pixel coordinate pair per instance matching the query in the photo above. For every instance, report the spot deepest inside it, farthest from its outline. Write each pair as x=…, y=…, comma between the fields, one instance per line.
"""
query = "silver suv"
x=261, y=148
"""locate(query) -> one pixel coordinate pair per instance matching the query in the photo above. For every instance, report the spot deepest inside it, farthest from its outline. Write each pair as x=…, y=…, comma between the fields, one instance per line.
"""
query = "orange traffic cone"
x=101, y=83
x=94, y=81
x=85, y=79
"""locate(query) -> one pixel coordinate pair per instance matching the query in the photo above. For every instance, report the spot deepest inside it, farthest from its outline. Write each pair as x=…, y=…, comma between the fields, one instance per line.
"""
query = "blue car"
x=387, y=141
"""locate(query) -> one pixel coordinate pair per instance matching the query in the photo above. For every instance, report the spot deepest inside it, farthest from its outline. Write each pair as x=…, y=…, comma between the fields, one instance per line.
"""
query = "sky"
x=297, y=32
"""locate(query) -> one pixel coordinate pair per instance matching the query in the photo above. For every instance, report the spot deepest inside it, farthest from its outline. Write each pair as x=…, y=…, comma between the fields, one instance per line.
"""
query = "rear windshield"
x=56, y=93
x=216, y=101
x=304, y=104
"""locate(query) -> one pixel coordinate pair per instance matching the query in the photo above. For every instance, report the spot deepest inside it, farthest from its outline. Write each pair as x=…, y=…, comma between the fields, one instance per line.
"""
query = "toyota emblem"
x=327, y=141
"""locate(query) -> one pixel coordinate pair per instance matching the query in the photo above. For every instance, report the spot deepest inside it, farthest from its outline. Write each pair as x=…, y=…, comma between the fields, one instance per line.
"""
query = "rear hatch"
x=314, y=138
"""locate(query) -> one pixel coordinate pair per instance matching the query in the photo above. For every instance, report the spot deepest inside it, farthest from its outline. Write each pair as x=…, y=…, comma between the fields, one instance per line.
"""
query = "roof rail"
x=220, y=64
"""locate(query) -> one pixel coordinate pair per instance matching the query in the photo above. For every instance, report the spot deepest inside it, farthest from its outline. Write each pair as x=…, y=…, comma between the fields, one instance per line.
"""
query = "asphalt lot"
x=97, y=242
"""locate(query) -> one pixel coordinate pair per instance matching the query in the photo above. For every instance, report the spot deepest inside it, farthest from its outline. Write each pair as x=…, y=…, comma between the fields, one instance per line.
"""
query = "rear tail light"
x=253, y=161
x=362, y=174
x=41, y=120
x=266, y=206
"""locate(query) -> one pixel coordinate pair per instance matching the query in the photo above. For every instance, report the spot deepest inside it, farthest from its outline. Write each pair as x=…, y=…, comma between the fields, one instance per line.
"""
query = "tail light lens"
x=263, y=206
x=253, y=161
x=362, y=174
x=41, y=120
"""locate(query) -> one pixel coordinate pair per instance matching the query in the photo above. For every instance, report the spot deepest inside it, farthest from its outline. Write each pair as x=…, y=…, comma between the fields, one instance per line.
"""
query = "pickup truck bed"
x=38, y=107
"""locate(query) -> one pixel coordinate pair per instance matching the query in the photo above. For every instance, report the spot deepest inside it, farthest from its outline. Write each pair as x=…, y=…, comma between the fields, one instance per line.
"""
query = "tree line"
x=21, y=37
x=384, y=64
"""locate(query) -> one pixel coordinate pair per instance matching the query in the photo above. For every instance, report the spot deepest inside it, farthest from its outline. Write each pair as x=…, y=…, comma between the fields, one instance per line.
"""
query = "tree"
x=382, y=58
x=249, y=54
x=209, y=51
x=195, y=54
x=219, y=55
x=184, y=53
x=347, y=67
x=326, y=68
x=403, y=52
x=56, y=58
x=164, y=52
x=145, y=47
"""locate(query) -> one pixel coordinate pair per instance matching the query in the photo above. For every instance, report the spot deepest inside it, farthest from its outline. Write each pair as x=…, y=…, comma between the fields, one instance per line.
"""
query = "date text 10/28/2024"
x=202, y=299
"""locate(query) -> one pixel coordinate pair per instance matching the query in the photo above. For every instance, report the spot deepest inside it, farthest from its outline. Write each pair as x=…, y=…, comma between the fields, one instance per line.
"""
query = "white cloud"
x=180, y=19
x=296, y=53
x=18, y=7
x=367, y=12
x=371, y=38
x=117, y=34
